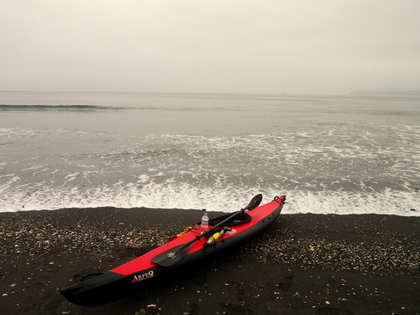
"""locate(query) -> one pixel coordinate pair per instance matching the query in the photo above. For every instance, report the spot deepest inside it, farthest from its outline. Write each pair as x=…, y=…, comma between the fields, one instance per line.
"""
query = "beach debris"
x=37, y=237
x=384, y=251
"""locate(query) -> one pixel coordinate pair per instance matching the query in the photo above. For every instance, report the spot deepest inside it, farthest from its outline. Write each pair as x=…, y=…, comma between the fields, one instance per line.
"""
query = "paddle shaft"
x=252, y=205
x=211, y=230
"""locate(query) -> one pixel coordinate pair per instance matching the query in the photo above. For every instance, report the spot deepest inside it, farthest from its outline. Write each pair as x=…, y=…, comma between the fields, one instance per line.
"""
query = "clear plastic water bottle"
x=205, y=222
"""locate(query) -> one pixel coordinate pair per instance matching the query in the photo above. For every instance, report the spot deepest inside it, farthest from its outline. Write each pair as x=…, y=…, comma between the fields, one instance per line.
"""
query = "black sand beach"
x=303, y=264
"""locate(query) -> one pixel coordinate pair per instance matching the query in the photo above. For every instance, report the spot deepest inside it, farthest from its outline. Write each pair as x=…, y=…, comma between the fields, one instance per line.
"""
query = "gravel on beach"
x=302, y=264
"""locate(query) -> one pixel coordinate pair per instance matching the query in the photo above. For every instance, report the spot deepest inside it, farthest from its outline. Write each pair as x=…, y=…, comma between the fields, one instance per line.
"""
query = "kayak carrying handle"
x=91, y=275
x=282, y=198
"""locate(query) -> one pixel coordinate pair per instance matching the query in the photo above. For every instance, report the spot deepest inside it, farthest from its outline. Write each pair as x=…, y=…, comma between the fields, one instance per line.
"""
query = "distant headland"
x=378, y=92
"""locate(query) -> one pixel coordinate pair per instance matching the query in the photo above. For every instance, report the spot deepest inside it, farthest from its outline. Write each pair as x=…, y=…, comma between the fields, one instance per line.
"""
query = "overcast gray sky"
x=221, y=46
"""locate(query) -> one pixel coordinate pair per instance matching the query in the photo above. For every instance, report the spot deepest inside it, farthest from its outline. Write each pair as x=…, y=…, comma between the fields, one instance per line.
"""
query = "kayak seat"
x=237, y=219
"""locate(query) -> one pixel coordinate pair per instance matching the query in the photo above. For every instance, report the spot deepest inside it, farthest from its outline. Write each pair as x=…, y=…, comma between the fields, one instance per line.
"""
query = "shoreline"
x=303, y=264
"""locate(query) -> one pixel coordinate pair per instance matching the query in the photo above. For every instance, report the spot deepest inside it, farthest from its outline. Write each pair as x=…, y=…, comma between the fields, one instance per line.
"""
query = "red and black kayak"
x=223, y=233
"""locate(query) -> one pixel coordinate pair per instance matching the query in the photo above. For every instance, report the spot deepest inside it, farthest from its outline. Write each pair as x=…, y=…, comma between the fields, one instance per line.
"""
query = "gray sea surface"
x=328, y=154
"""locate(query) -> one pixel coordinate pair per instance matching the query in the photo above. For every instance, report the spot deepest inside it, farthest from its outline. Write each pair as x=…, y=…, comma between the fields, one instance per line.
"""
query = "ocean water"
x=329, y=154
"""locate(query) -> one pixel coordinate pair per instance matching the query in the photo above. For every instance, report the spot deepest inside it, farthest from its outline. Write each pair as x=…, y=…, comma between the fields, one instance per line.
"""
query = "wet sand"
x=303, y=264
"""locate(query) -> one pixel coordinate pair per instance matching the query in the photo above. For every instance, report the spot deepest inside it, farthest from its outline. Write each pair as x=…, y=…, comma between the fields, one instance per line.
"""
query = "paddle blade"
x=255, y=202
x=172, y=256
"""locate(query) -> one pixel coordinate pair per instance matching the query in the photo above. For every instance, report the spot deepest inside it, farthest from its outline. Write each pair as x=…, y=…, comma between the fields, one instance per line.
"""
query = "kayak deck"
x=145, y=261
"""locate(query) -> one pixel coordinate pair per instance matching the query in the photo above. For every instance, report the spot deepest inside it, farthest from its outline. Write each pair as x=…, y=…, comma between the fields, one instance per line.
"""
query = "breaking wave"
x=54, y=107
